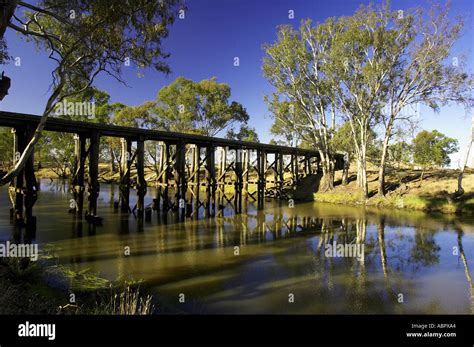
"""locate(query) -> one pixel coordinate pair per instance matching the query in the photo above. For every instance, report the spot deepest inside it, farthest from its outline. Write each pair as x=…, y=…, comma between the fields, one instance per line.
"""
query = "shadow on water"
x=312, y=258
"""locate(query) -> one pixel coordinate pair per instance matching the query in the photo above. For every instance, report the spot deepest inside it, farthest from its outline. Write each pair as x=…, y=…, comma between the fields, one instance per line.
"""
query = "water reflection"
x=253, y=262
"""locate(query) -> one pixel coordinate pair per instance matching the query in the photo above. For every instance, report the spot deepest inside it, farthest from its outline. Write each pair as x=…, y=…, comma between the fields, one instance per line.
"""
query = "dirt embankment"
x=404, y=190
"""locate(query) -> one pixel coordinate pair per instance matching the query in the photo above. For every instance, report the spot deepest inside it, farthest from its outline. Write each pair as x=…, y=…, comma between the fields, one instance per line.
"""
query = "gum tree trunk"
x=383, y=160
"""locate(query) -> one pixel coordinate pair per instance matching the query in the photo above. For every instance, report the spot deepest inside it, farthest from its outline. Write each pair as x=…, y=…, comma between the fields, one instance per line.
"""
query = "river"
x=284, y=259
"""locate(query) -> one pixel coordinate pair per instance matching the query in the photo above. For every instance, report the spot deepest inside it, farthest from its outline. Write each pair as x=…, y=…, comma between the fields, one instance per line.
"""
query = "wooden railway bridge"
x=189, y=176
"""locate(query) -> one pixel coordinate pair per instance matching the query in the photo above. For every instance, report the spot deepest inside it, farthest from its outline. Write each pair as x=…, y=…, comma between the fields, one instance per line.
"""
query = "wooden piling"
x=166, y=177
x=279, y=168
x=141, y=182
x=238, y=170
x=180, y=178
x=261, y=171
x=194, y=178
x=78, y=174
x=125, y=163
x=245, y=177
x=221, y=177
x=93, y=173
x=210, y=167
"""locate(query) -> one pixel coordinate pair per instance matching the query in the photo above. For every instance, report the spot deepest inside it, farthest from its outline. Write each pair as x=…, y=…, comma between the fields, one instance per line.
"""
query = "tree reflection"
x=466, y=266
x=425, y=251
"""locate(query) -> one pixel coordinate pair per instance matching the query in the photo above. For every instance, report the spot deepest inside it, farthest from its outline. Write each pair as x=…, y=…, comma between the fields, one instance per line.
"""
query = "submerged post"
x=195, y=178
x=180, y=178
x=141, y=182
x=93, y=173
x=279, y=164
x=245, y=176
x=261, y=183
x=221, y=176
x=166, y=177
x=238, y=181
x=125, y=163
x=210, y=207
x=78, y=174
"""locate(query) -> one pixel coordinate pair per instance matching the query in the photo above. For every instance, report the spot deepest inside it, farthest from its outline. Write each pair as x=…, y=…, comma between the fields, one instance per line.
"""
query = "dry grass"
x=130, y=302
x=434, y=193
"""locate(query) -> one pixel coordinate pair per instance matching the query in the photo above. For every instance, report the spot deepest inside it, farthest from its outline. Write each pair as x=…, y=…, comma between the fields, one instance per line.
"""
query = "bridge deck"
x=12, y=119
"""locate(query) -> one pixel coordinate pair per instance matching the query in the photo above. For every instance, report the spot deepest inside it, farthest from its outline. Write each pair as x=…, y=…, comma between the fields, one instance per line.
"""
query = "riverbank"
x=435, y=193
x=405, y=190
x=22, y=291
x=28, y=289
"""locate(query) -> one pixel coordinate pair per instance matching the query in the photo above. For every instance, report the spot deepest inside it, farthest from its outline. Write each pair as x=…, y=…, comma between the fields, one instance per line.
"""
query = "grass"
x=25, y=288
x=405, y=191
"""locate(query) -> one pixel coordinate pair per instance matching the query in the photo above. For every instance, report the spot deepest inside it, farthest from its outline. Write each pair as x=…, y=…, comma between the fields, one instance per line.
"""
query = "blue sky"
x=204, y=45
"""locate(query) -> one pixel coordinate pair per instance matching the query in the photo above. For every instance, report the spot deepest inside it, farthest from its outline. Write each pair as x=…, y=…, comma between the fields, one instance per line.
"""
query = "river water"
x=283, y=259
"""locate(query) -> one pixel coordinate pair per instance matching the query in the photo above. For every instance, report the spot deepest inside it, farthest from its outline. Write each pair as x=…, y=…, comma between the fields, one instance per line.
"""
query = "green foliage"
x=134, y=116
x=400, y=153
x=3, y=52
x=245, y=133
x=425, y=251
x=87, y=36
x=293, y=65
x=363, y=69
x=197, y=107
x=342, y=140
x=57, y=149
x=432, y=149
x=6, y=145
x=83, y=279
x=286, y=116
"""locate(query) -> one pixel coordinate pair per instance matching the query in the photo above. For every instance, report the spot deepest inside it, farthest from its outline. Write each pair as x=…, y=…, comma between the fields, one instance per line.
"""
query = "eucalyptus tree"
x=342, y=142
x=432, y=149
x=197, y=107
x=294, y=66
x=360, y=64
x=245, y=133
x=423, y=69
x=84, y=38
x=287, y=120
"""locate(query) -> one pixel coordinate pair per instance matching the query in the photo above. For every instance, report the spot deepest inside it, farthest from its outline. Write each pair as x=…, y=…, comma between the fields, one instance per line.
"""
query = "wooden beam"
x=11, y=119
